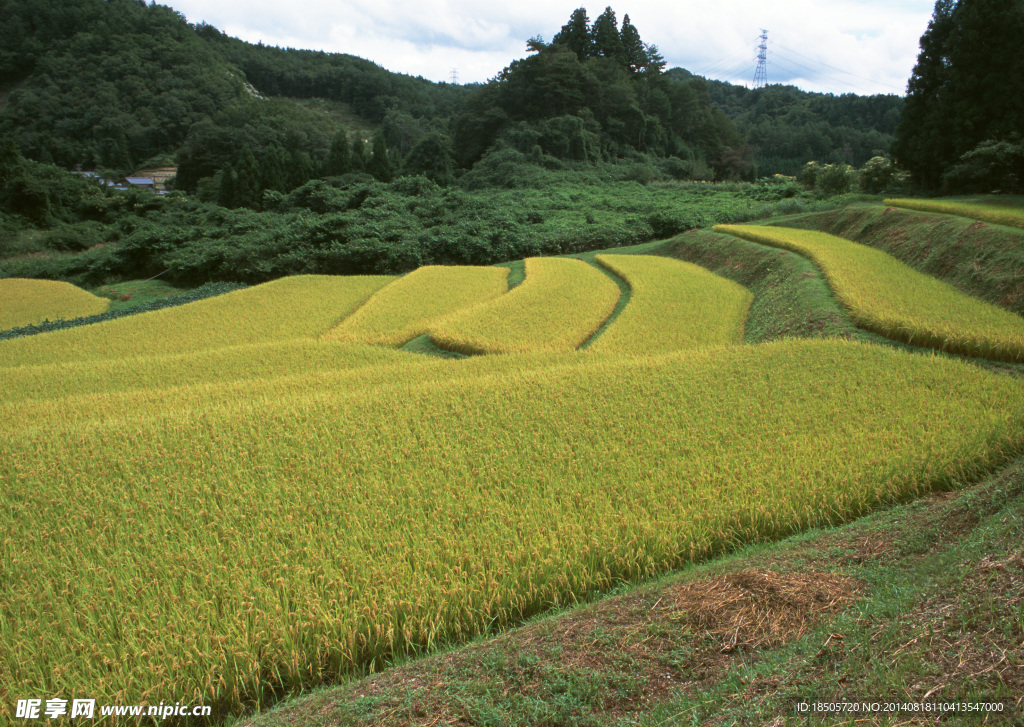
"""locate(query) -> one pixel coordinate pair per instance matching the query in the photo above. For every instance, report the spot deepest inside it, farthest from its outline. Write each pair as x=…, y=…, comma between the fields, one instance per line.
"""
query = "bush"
x=75, y=238
x=992, y=166
x=808, y=176
x=835, y=179
x=877, y=176
x=641, y=173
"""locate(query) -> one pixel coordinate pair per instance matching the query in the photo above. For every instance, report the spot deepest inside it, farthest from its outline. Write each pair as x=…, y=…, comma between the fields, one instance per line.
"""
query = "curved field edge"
x=941, y=575
x=790, y=297
x=409, y=306
x=981, y=260
x=560, y=305
x=303, y=306
x=884, y=295
x=25, y=302
x=315, y=539
x=673, y=305
x=990, y=212
x=209, y=290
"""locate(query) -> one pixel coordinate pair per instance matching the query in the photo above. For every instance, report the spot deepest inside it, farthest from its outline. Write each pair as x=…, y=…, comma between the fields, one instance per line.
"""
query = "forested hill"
x=116, y=83
x=785, y=127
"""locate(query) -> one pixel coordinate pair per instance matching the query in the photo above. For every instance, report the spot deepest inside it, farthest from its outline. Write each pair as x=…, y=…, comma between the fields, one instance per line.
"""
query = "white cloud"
x=866, y=46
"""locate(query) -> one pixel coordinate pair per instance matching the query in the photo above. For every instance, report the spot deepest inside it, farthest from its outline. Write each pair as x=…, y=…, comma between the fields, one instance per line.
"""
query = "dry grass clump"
x=759, y=607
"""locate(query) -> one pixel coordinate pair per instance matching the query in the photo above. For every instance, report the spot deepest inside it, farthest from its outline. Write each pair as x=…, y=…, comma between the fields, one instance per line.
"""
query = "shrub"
x=877, y=176
x=835, y=179
x=992, y=166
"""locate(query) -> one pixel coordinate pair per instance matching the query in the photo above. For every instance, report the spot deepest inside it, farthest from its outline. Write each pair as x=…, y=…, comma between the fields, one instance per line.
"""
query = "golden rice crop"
x=407, y=308
x=888, y=297
x=28, y=302
x=561, y=303
x=673, y=305
x=217, y=555
x=995, y=213
x=303, y=306
x=216, y=368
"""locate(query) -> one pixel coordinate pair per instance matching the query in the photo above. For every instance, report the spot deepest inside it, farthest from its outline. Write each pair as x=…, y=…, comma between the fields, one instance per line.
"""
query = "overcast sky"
x=837, y=46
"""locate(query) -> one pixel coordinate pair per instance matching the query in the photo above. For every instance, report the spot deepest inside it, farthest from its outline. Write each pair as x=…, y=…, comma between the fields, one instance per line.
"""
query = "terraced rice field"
x=561, y=303
x=216, y=552
x=673, y=306
x=995, y=213
x=28, y=302
x=221, y=503
x=888, y=297
x=409, y=306
x=289, y=308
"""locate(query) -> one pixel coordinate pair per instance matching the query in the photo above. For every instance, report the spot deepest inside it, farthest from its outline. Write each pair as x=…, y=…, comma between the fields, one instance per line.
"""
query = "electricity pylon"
x=761, y=74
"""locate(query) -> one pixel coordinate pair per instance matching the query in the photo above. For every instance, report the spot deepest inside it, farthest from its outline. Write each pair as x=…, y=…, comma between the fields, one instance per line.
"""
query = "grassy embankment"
x=995, y=210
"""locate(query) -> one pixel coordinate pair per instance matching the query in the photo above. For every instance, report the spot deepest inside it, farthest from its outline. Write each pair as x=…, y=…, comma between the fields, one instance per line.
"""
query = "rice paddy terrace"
x=261, y=492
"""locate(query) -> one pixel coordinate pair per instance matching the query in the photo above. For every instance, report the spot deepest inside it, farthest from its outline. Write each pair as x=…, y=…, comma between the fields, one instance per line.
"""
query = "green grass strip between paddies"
x=28, y=302
x=219, y=556
x=995, y=213
x=302, y=306
x=408, y=307
x=674, y=305
x=884, y=295
x=559, y=305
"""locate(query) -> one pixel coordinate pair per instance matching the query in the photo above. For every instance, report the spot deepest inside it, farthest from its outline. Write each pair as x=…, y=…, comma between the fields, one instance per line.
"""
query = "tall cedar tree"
x=607, y=41
x=358, y=155
x=633, y=48
x=961, y=92
x=274, y=170
x=575, y=35
x=247, y=182
x=380, y=163
x=339, y=159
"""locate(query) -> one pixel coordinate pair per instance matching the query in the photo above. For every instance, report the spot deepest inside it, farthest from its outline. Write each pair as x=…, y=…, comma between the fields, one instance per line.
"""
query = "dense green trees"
x=115, y=84
x=786, y=127
x=963, y=92
x=595, y=92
